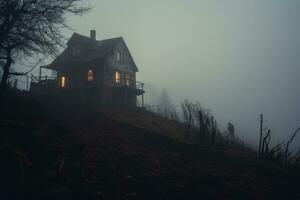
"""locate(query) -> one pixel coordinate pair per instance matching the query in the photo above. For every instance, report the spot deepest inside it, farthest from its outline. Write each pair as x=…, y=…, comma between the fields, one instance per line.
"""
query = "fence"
x=20, y=82
x=24, y=82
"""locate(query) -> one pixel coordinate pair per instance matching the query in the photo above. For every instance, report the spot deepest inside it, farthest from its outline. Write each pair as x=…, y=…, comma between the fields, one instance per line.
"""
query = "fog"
x=238, y=58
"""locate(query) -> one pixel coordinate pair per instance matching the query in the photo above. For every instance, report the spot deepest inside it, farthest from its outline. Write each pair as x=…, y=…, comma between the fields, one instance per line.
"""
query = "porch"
x=123, y=90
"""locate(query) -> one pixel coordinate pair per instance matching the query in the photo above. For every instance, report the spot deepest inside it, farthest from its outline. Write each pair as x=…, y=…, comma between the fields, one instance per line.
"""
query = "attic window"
x=119, y=56
x=76, y=50
x=63, y=81
x=90, y=75
x=117, y=77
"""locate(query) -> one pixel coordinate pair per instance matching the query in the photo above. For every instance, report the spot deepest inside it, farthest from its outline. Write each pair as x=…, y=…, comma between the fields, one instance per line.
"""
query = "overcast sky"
x=239, y=58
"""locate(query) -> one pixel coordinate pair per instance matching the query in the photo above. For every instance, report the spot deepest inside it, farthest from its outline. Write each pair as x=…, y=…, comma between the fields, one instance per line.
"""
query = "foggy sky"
x=239, y=58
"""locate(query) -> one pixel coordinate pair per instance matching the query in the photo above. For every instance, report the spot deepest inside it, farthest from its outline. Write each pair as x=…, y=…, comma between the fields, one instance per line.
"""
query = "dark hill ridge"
x=74, y=152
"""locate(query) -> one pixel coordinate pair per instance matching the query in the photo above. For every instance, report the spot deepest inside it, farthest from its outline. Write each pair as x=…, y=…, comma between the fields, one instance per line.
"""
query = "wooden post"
x=260, y=136
x=15, y=84
x=143, y=95
x=40, y=73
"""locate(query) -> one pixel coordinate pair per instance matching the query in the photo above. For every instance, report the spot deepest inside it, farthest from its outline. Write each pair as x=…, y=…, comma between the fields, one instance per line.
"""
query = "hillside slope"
x=75, y=152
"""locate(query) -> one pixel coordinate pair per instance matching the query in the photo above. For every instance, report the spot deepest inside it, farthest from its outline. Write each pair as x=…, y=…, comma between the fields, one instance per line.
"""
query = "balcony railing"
x=123, y=82
x=43, y=80
x=129, y=83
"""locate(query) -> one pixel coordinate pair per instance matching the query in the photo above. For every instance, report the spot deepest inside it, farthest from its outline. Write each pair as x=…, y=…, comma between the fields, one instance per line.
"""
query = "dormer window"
x=90, y=75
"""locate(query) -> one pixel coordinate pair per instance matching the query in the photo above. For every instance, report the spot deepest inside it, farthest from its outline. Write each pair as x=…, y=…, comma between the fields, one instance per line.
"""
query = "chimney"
x=93, y=34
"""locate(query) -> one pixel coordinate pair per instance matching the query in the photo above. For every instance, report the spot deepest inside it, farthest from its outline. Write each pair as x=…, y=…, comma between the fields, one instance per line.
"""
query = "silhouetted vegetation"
x=188, y=115
x=231, y=133
x=279, y=153
x=198, y=124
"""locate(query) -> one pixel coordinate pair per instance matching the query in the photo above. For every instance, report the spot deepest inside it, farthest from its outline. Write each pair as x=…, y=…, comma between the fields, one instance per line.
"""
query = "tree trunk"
x=260, y=135
x=214, y=130
x=6, y=68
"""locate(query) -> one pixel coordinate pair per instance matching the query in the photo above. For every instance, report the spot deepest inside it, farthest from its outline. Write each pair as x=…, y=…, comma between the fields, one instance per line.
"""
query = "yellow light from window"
x=90, y=75
x=63, y=81
x=118, y=77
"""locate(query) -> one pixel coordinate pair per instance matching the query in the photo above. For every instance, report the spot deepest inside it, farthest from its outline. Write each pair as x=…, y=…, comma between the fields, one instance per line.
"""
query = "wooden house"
x=101, y=72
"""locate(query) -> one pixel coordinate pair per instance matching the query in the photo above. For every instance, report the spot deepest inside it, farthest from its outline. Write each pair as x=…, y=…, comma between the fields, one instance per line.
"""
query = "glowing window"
x=63, y=81
x=117, y=77
x=127, y=79
x=90, y=75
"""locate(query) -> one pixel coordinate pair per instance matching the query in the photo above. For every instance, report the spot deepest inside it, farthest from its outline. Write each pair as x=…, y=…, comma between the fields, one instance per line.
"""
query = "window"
x=117, y=77
x=119, y=56
x=90, y=75
x=127, y=79
x=63, y=81
x=76, y=50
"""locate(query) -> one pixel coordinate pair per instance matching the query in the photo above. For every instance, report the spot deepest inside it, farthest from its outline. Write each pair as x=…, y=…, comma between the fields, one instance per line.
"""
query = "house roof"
x=95, y=50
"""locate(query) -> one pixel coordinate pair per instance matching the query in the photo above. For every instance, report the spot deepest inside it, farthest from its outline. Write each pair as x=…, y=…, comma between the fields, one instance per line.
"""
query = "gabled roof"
x=95, y=50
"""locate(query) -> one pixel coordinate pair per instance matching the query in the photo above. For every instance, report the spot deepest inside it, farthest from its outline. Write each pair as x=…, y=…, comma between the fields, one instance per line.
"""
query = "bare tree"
x=230, y=129
x=279, y=153
x=260, y=134
x=286, y=152
x=202, y=118
x=188, y=115
x=265, y=143
x=295, y=158
x=214, y=129
x=30, y=27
